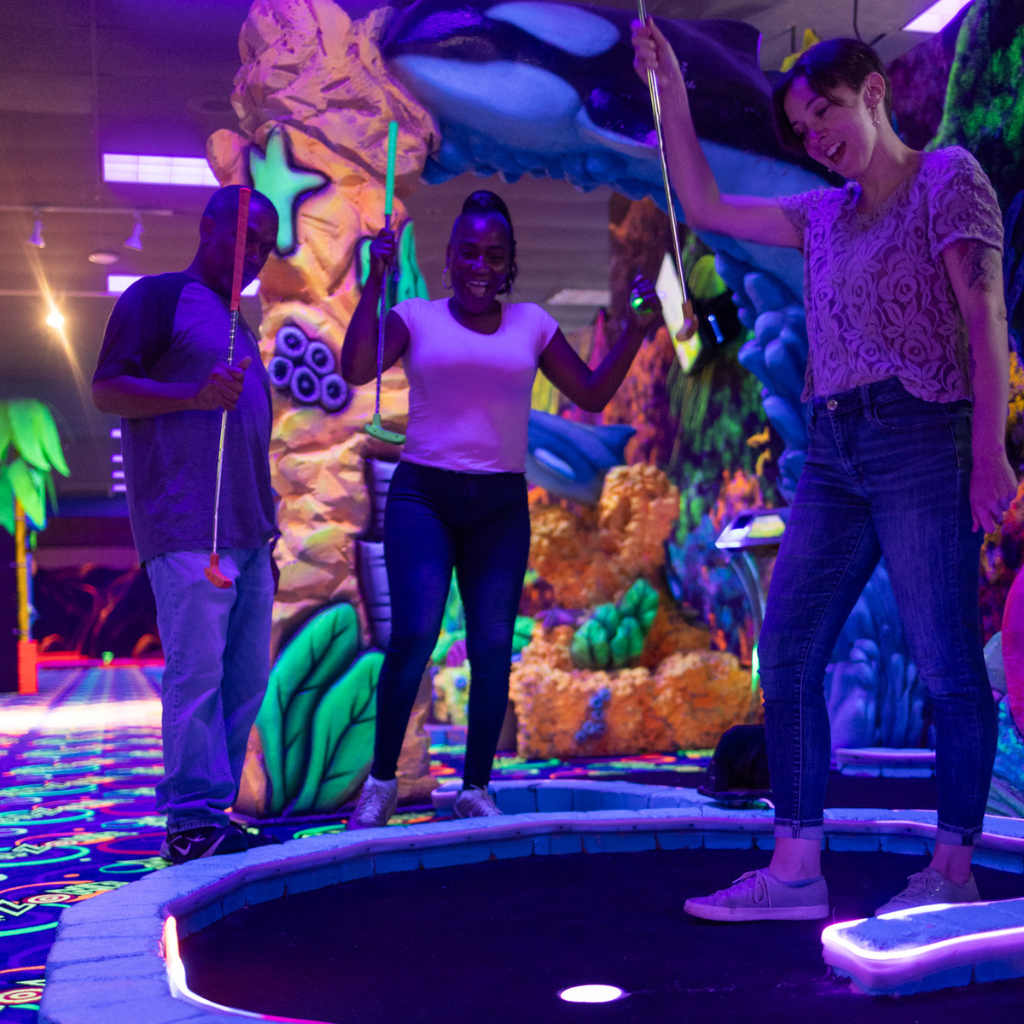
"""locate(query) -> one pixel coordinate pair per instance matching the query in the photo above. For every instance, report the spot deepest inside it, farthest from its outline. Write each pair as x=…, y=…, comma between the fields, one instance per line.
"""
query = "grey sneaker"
x=377, y=802
x=760, y=896
x=929, y=886
x=474, y=803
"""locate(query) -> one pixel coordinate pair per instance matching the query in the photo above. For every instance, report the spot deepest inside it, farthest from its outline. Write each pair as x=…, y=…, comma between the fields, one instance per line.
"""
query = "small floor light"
x=134, y=240
x=36, y=238
x=591, y=994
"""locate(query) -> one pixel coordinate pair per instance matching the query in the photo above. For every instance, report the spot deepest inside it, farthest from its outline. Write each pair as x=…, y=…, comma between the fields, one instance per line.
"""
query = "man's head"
x=215, y=257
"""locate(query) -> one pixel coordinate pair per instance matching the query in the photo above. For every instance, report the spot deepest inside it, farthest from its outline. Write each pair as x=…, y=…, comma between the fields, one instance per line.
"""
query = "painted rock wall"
x=311, y=71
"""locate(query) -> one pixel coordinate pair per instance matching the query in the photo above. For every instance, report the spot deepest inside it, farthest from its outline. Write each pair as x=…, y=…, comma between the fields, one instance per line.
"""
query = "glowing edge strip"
x=872, y=966
x=179, y=984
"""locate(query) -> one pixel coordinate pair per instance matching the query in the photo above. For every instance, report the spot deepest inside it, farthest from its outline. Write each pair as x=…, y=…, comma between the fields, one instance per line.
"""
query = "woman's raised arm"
x=749, y=217
x=359, y=351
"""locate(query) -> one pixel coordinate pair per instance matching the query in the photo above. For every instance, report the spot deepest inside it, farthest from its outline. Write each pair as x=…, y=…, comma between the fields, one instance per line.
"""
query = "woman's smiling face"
x=479, y=256
x=837, y=131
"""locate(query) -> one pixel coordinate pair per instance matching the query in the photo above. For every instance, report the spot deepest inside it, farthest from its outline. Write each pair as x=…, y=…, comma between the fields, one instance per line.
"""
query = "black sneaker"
x=205, y=841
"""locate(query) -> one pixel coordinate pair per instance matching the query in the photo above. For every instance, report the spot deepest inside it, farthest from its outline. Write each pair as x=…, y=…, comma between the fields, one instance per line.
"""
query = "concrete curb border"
x=108, y=964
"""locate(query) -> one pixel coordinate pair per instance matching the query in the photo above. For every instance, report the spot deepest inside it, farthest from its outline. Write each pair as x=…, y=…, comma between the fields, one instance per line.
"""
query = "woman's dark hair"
x=826, y=66
x=483, y=201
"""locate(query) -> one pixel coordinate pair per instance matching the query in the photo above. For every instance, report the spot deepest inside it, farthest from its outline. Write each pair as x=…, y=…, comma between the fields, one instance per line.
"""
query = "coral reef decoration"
x=314, y=730
x=984, y=110
x=591, y=556
x=306, y=369
x=315, y=76
x=287, y=186
x=685, y=703
x=544, y=88
x=1013, y=271
x=614, y=634
x=30, y=452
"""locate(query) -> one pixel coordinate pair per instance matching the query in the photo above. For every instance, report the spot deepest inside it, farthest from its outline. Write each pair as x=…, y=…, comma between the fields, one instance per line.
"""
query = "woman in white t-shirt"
x=458, y=498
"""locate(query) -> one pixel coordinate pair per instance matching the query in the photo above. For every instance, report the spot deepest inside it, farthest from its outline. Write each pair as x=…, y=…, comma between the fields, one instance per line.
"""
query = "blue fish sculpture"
x=568, y=459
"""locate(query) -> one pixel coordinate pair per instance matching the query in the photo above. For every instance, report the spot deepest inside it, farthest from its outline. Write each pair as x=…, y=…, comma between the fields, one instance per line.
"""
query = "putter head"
x=689, y=328
x=214, y=575
x=374, y=429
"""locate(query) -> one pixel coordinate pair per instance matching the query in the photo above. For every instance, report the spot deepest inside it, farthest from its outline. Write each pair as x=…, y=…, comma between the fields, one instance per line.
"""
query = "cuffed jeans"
x=478, y=523
x=217, y=651
x=886, y=474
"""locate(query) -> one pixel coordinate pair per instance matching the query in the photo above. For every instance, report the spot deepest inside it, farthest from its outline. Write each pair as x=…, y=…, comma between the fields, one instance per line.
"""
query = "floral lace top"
x=879, y=300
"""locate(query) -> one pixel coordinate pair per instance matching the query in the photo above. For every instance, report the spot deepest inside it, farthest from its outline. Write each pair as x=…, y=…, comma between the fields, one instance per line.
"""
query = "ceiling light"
x=936, y=17
x=55, y=319
x=591, y=994
x=36, y=238
x=134, y=240
x=158, y=170
x=581, y=297
x=117, y=284
x=103, y=257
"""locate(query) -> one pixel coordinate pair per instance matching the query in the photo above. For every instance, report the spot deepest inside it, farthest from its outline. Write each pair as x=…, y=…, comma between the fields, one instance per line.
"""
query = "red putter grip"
x=241, y=230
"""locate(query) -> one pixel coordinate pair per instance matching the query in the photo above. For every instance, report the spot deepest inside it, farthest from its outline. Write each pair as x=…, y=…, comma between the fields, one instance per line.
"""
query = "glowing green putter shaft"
x=375, y=429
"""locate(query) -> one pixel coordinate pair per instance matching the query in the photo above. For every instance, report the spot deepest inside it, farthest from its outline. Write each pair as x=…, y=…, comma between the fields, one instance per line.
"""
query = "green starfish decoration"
x=284, y=184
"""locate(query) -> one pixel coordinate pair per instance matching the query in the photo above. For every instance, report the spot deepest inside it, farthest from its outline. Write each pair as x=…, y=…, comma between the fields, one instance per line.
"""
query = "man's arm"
x=139, y=397
x=977, y=277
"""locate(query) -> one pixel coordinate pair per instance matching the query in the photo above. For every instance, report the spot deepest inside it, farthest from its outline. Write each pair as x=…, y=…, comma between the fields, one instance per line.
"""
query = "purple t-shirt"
x=469, y=393
x=879, y=300
x=173, y=329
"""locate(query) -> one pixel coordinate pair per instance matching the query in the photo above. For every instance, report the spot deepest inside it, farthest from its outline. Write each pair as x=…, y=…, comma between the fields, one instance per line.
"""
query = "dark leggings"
x=478, y=524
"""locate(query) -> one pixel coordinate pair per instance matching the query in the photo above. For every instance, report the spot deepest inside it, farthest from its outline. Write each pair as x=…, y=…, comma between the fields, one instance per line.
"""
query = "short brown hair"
x=826, y=66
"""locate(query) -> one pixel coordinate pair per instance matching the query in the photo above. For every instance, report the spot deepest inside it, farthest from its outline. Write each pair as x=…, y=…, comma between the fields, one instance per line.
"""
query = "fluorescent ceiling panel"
x=936, y=17
x=119, y=283
x=581, y=297
x=158, y=170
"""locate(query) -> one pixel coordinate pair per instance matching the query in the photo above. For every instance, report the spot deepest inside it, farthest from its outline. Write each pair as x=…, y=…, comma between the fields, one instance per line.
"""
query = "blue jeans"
x=217, y=649
x=886, y=474
x=478, y=524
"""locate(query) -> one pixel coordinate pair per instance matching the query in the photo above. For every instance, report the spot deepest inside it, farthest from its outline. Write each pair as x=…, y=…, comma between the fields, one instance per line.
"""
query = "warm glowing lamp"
x=55, y=319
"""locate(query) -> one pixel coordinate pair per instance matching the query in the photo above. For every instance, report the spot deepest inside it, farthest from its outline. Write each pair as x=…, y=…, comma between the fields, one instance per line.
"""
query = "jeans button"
x=832, y=404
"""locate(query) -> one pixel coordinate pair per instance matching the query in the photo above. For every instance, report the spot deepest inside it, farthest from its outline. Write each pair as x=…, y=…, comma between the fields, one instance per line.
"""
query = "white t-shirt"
x=469, y=393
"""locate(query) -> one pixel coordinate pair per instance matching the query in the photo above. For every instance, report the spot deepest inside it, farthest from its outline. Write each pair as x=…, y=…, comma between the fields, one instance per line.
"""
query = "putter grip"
x=241, y=229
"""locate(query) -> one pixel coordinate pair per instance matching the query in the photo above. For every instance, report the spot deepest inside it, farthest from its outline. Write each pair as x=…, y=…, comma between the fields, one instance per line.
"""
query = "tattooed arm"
x=976, y=274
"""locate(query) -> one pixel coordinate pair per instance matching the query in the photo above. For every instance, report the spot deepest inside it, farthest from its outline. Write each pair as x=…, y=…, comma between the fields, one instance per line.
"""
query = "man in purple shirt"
x=163, y=370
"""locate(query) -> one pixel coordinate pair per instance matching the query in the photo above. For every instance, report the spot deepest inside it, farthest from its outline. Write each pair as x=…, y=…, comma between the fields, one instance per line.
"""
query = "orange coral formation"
x=590, y=558
x=688, y=702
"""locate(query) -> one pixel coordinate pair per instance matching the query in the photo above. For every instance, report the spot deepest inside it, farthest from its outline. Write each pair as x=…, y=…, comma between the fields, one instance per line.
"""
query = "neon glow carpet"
x=78, y=766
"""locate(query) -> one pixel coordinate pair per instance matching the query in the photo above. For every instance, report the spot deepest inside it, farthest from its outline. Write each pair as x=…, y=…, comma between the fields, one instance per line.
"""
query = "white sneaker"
x=760, y=896
x=377, y=802
x=474, y=803
x=928, y=886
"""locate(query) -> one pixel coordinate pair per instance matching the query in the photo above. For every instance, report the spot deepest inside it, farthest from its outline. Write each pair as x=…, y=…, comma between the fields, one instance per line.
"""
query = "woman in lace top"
x=907, y=380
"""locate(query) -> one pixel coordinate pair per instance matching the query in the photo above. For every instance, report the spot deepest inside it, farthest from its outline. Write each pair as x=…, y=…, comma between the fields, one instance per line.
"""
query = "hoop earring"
x=445, y=274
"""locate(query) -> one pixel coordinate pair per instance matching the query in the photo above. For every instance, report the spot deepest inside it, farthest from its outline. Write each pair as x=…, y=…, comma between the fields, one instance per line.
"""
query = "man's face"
x=218, y=239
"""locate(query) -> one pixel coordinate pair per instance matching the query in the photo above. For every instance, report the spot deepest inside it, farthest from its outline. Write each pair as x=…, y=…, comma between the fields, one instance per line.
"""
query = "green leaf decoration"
x=589, y=647
x=341, y=745
x=523, y=633
x=49, y=438
x=641, y=603
x=28, y=492
x=23, y=433
x=312, y=662
x=5, y=430
x=628, y=642
x=454, y=614
x=6, y=502
x=608, y=615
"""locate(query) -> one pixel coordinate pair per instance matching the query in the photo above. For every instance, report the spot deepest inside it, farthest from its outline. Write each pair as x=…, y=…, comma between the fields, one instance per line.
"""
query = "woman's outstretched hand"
x=644, y=303
x=383, y=250
x=652, y=50
x=993, y=487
